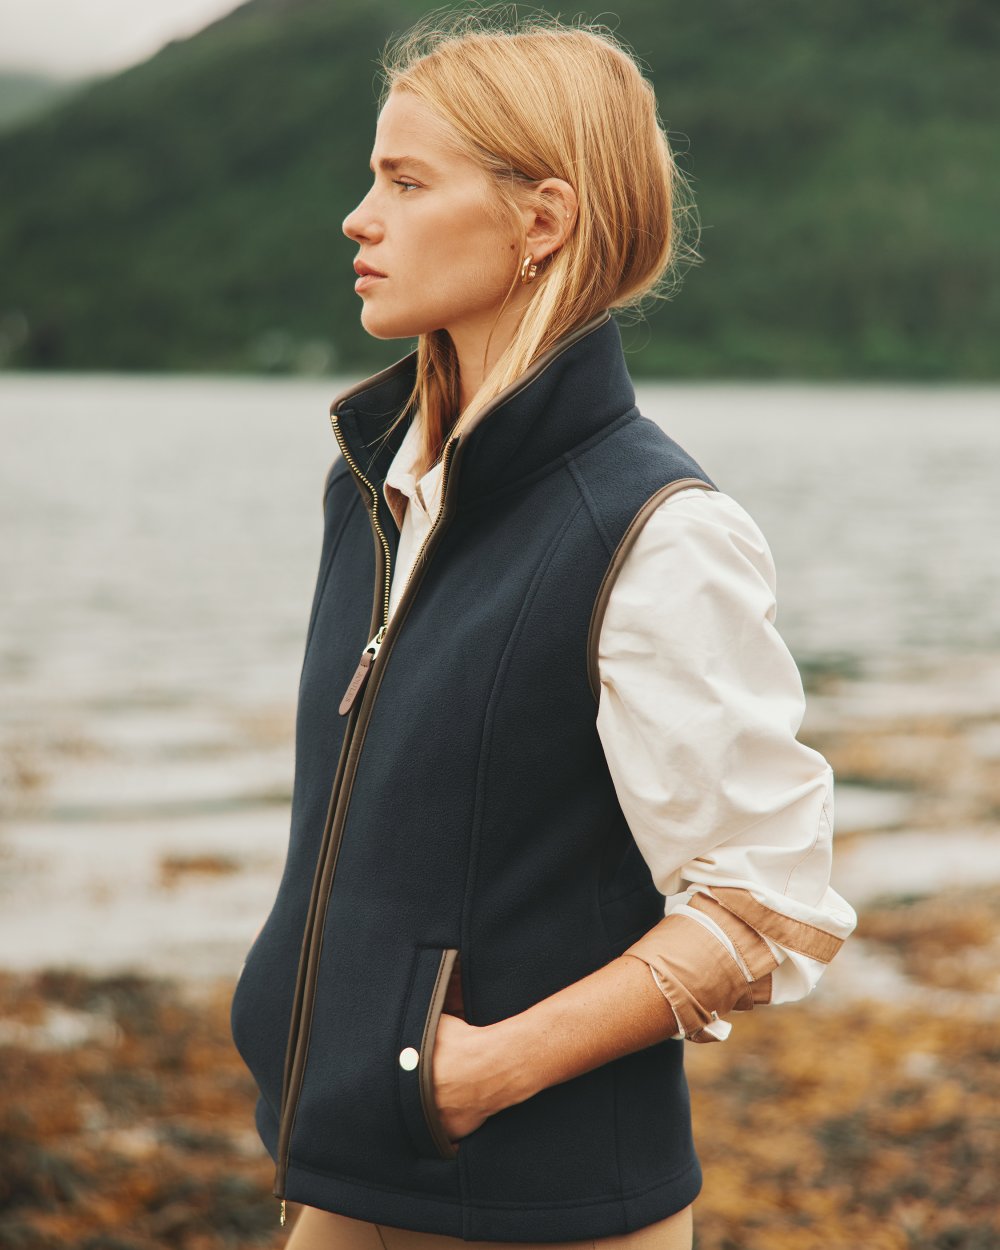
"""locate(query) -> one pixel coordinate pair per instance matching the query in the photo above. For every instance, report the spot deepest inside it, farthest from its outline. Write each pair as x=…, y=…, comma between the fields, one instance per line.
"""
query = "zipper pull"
x=282, y=1217
x=361, y=673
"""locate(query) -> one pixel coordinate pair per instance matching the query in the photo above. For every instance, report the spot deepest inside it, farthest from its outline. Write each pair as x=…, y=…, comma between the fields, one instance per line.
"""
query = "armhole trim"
x=617, y=560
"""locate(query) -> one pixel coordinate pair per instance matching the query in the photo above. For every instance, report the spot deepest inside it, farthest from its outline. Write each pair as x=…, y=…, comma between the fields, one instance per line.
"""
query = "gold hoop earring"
x=528, y=269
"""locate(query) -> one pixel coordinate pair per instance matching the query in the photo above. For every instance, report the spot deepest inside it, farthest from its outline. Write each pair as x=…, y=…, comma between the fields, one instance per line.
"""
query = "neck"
x=479, y=343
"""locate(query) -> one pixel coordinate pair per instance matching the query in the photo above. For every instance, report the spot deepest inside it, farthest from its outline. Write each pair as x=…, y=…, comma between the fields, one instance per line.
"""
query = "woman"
x=558, y=822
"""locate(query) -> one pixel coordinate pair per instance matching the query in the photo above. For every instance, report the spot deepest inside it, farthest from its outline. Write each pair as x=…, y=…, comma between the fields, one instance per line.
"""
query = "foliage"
x=25, y=95
x=185, y=214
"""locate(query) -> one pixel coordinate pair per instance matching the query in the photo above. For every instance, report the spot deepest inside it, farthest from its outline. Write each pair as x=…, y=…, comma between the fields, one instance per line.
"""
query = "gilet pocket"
x=432, y=967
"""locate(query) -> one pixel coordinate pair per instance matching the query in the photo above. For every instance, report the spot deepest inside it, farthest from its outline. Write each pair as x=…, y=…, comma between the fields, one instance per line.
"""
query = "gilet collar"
x=567, y=396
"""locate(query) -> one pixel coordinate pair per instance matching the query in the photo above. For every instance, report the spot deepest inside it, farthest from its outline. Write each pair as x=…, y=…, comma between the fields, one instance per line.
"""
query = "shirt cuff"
x=699, y=975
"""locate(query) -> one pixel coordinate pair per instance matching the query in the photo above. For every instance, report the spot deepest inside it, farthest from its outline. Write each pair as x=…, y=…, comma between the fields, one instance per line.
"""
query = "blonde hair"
x=531, y=99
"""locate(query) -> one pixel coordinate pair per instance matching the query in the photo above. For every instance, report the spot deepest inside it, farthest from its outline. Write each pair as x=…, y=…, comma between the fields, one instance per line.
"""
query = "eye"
x=409, y=186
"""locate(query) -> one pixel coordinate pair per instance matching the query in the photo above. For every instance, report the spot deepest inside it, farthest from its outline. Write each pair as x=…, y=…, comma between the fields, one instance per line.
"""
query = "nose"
x=361, y=225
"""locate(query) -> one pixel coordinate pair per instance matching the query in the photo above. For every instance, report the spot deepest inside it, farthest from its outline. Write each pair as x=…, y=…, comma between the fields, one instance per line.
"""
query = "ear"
x=550, y=218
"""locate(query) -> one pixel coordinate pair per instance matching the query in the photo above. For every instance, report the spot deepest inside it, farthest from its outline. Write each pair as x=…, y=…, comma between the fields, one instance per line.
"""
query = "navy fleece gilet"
x=473, y=812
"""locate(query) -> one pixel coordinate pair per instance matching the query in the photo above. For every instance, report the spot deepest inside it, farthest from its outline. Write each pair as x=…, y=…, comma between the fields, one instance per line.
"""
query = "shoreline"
x=862, y=1115
x=159, y=853
x=132, y=1126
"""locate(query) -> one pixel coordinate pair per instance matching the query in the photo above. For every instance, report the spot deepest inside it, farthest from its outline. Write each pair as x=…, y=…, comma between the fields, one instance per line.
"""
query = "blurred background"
x=176, y=312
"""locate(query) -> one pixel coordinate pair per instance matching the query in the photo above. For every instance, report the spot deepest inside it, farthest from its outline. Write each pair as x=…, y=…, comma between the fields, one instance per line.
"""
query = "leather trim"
x=796, y=935
x=376, y=379
x=534, y=369
x=454, y=1002
x=625, y=545
x=446, y=1148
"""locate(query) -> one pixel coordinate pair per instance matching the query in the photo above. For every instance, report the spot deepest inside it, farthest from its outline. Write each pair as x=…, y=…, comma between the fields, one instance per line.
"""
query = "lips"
x=367, y=276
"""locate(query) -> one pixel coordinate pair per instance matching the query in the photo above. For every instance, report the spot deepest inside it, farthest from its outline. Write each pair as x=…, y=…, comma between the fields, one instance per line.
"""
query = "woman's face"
x=425, y=225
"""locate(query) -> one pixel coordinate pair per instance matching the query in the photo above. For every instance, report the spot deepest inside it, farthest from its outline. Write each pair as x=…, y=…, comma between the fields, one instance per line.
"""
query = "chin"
x=384, y=325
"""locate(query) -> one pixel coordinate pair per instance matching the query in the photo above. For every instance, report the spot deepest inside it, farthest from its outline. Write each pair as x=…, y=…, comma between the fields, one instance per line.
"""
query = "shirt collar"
x=401, y=483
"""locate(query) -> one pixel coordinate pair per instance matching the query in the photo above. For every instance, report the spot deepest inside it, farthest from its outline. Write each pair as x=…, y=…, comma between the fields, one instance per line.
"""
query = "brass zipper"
x=371, y=649
x=368, y=655
x=333, y=831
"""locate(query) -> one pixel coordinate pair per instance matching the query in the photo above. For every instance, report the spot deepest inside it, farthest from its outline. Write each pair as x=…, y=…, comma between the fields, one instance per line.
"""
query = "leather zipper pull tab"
x=357, y=681
x=361, y=673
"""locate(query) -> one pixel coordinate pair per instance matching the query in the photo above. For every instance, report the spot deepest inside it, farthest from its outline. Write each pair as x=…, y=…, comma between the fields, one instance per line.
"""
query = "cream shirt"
x=700, y=704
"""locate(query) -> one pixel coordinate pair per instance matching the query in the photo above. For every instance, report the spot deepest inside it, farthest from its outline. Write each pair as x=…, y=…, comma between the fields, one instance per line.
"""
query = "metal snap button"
x=409, y=1058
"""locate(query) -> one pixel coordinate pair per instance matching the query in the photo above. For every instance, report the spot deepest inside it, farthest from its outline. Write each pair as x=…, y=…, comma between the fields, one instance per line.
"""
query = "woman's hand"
x=479, y=1070
x=471, y=1079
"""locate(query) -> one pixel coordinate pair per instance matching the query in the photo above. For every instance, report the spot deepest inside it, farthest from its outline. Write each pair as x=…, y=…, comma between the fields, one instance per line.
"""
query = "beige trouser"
x=323, y=1230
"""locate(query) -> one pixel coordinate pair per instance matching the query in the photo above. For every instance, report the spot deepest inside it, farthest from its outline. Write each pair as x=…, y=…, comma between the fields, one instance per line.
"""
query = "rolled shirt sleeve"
x=700, y=705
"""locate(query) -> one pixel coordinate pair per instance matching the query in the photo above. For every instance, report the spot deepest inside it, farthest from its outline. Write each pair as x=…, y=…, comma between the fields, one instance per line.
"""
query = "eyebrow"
x=389, y=164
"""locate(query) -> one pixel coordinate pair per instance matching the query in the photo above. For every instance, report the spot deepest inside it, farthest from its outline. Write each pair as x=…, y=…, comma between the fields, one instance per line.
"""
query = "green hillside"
x=186, y=213
x=24, y=95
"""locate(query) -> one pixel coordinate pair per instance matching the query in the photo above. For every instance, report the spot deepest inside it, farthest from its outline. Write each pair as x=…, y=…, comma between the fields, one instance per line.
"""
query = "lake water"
x=159, y=538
